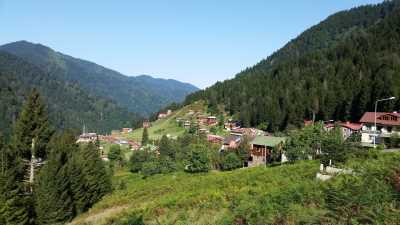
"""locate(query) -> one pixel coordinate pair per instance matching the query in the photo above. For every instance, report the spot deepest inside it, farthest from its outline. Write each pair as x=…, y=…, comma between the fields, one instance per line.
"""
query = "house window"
x=371, y=137
x=389, y=129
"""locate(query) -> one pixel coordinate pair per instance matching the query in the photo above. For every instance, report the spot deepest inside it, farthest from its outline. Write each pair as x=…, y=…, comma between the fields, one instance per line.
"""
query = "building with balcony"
x=387, y=125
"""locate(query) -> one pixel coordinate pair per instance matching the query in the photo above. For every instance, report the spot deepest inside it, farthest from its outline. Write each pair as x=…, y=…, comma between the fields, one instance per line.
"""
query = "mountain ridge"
x=69, y=106
x=327, y=72
x=128, y=91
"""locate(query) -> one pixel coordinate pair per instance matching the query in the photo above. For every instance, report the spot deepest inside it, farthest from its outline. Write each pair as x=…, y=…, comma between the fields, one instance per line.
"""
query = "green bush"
x=138, y=158
x=166, y=165
x=150, y=168
x=198, y=161
x=231, y=161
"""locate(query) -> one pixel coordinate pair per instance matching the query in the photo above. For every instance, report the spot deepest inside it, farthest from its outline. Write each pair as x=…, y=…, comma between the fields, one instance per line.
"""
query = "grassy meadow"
x=167, y=126
x=287, y=194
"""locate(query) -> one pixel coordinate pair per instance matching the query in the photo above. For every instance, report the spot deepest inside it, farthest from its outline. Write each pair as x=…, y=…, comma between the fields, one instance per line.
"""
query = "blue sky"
x=196, y=41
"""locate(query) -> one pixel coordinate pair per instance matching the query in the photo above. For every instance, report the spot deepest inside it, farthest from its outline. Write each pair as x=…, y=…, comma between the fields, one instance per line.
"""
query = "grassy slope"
x=194, y=199
x=288, y=194
x=168, y=125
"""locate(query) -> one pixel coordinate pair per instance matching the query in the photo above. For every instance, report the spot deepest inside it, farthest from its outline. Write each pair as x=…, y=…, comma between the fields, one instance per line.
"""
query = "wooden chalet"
x=231, y=142
x=87, y=138
x=126, y=130
x=212, y=120
x=231, y=125
x=261, y=148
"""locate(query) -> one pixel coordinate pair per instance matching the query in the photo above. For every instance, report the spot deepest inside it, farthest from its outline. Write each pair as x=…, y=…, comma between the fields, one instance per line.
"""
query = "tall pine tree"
x=32, y=124
x=89, y=178
x=145, y=137
x=54, y=203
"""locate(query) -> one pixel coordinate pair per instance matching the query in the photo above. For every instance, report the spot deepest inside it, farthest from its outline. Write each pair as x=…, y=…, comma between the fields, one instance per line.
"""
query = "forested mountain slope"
x=69, y=105
x=335, y=70
x=142, y=94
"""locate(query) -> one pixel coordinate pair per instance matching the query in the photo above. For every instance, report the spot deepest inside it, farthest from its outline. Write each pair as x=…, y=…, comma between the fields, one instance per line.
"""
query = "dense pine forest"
x=69, y=106
x=335, y=70
x=45, y=177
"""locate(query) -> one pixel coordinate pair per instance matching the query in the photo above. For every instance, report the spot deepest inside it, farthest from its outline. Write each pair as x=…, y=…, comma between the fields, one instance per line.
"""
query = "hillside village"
x=227, y=133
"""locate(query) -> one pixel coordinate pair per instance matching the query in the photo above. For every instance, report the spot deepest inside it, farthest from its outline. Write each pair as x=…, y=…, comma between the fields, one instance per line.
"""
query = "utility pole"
x=32, y=166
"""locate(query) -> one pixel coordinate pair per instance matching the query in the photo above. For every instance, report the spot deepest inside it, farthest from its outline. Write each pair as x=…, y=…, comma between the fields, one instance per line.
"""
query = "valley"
x=308, y=135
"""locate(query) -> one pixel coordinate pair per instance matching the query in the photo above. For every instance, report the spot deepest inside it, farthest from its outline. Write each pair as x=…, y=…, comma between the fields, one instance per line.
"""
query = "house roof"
x=349, y=125
x=248, y=131
x=214, y=137
x=231, y=138
x=383, y=118
x=268, y=141
x=352, y=126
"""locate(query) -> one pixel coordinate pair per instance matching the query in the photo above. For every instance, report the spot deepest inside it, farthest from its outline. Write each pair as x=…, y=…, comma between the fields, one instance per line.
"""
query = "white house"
x=387, y=124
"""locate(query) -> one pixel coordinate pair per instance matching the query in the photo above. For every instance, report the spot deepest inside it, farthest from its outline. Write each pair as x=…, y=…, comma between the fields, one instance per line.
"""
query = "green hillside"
x=274, y=195
x=69, y=106
x=140, y=94
x=169, y=126
x=335, y=70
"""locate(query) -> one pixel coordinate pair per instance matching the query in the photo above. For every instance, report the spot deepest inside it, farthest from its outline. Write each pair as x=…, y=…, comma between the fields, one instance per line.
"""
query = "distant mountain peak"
x=141, y=94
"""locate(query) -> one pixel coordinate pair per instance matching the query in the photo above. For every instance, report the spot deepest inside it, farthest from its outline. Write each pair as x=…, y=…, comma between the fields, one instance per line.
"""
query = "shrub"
x=150, y=168
x=115, y=155
x=198, y=161
x=138, y=158
x=231, y=161
x=167, y=165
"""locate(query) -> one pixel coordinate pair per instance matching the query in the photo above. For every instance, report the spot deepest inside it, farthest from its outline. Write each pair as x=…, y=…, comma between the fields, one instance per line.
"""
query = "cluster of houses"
x=163, y=115
x=387, y=126
x=86, y=138
x=201, y=121
x=261, y=144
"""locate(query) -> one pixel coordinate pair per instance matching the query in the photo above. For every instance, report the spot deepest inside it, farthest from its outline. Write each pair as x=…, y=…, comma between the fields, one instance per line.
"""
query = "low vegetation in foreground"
x=287, y=194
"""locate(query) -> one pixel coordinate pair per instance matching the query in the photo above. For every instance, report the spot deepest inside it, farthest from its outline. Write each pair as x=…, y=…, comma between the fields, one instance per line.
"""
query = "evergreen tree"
x=32, y=124
x=138, y=158
x=165, y=148
x=198, y=160
x=15, y=207
x=231, y=161
x=54, y=203
x=2, y=156
x=145, y=137
x=243, y=151
x=115, y=155
x=89, y=178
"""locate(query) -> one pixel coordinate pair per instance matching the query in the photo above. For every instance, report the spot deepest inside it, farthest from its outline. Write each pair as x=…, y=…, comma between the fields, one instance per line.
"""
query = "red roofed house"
x=212, y=120
x=387, y=124
x=215, y=138
x=347, y=128
x=162, y=115
x=231, y=142
x=134, y=145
